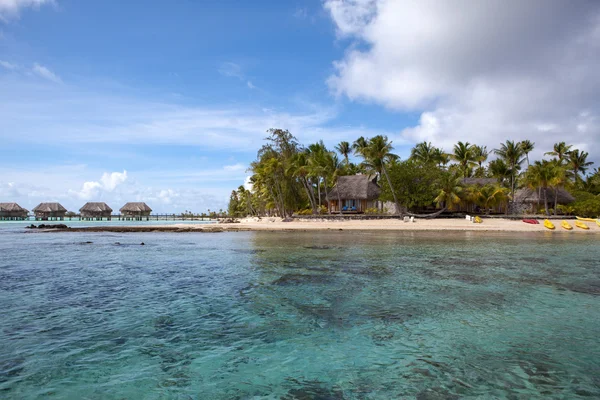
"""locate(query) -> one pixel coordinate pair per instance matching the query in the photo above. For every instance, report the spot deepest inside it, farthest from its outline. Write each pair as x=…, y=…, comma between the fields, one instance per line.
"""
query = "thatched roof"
x=136, y=207
x=11, y=207
x=479, y=181
x=359, y=187
x=49, y=207
x=531, y=196
x=95, y=207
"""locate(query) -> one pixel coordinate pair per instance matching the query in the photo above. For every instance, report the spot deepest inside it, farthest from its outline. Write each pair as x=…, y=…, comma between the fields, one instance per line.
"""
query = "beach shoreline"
x=278, y=225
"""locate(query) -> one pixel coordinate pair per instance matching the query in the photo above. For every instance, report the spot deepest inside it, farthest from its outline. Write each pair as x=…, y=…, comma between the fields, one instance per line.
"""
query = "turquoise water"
x=336, y=315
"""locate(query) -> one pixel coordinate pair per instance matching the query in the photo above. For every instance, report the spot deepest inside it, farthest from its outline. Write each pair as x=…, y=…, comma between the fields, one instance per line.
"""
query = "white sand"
x=489, y=224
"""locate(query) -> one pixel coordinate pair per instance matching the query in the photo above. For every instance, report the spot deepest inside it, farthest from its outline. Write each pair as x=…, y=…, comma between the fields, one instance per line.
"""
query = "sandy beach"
x=276, y=224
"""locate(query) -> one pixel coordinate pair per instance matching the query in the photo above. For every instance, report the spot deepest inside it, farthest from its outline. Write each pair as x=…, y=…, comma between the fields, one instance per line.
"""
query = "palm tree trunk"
x=327, y=196
x=555, y=199
x=310, y=200
x=546, y=200
x=391, y=188
x=319, y=190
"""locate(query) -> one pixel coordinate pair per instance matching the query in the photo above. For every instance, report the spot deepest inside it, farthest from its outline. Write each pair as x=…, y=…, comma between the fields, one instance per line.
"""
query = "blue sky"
x=167, y=102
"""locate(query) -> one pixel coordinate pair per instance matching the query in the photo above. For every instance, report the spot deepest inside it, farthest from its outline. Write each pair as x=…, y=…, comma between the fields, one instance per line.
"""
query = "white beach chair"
x=412, y=219
x=468, y=217
x=406, y=219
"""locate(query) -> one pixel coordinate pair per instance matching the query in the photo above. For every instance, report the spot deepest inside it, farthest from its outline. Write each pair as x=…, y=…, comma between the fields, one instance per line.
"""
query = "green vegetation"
x=290, y=178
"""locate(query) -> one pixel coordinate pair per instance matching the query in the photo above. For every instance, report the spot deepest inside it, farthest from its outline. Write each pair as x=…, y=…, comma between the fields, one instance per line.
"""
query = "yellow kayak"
x=548, y=224
x=566, y=225
x=586, y=219
x=478, y=220
x=581, y=225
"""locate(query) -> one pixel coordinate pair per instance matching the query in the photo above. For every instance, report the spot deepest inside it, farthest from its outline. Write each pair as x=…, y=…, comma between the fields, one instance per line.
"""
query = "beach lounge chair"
x=406, y=219
x=468, y=217
x=412, y=219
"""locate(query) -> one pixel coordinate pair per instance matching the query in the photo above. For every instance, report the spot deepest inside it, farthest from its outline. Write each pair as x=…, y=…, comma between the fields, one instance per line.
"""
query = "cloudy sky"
x=168, y=101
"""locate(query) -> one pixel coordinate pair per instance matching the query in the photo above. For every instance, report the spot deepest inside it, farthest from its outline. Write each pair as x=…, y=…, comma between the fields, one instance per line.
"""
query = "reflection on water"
x=299, y=316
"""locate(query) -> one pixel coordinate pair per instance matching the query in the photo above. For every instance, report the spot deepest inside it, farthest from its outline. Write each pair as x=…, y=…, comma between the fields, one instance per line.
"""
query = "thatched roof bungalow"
x=95, y=210
x=530, y=197
x=135, y=210
x=12, y=211
x=48, y=211
x=356, y=193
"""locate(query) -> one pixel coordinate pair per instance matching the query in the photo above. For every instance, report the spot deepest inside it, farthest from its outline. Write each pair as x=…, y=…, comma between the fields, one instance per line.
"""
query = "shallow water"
x=336, y=315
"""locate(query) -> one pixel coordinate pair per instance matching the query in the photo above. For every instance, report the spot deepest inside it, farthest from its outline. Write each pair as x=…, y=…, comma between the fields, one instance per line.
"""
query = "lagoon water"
x=330, y=315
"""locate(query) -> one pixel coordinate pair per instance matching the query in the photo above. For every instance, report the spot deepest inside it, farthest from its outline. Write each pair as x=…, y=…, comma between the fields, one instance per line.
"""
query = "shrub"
x=587, y=208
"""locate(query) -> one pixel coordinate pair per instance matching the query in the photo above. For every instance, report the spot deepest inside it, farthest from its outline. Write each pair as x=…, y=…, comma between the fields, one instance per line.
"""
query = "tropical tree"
x=480, y=155
x=359, y=146
x=512, y=153
x=344, y=149
x=441, y=158
x=577, y=162
x=498, y=169
x=423, y=152
x=560, y=151
x=543, y=175
x=376, y=154
x=450, y=190
x=463, y=154
x=527, y=146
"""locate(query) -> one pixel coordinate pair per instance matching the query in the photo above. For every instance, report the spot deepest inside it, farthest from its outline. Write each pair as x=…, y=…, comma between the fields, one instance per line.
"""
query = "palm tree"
x=560, y=151
x=344, y=149
x=423, y=152
x=542, y=175
x=359, y=146
x=527, y=146
x=441, y=158
x=512, y=154
x=376, y=154
x=577, y=162
x=450, y=191
x=480, y=155
x=464, y=156
x=557, y=178
x=300, y=169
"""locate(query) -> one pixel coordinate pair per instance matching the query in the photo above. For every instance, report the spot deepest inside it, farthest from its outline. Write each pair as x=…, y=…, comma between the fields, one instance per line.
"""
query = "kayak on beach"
x=549, y=224
x=531, y=221
x=566, y=225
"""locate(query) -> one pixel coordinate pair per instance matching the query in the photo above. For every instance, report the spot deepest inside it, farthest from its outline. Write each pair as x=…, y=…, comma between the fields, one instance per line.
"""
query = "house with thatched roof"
x=530, y=200
x=12, y=212
x=95, y=210
x=136, y=211
x=49, y=211
x=354, y=194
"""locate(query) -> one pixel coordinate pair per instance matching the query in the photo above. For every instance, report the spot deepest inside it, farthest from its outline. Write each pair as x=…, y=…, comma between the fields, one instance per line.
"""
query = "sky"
x=167, y=102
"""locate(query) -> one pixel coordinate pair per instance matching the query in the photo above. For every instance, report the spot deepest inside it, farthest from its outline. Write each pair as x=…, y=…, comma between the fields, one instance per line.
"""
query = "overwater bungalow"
x=12, y=212
x=50, y=211
x=357, y=193
x=95, y=211
x=531, y=201
x=135, y=211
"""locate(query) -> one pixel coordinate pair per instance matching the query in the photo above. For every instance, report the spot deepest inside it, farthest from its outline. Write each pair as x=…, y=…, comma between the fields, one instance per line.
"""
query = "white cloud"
x=250, y=85
x=45, y=73
x=11, y=8
x=231, y=69
x=107, y=183
x=248, y=185
x=32, y=111
x=7, y=65
x=497, y=70
x=235, y=167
